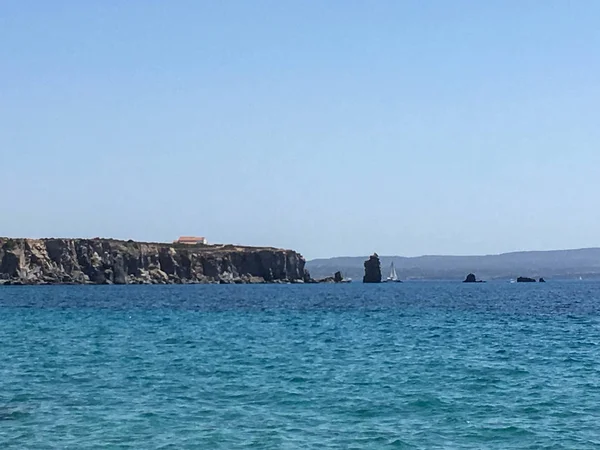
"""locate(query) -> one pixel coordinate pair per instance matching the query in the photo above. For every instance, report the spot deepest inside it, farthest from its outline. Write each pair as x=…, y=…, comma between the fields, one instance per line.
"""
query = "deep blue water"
x=412, y=365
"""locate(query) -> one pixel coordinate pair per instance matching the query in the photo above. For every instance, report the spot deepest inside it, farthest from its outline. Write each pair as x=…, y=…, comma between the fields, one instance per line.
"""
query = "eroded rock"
x=372, y=269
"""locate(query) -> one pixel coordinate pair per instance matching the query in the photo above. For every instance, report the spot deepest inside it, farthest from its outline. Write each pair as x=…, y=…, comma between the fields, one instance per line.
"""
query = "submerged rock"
x=372, y=269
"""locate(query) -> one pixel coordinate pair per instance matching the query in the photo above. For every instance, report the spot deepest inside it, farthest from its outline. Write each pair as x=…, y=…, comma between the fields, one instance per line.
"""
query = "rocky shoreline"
x=109, y=261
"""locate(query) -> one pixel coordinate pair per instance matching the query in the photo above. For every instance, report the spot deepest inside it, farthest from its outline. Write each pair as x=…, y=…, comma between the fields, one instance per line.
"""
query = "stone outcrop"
x=325, y=280
x=108, y=261
x=336, y=278
x=372, y=269
x=471, y=278
x=542, y=280
x=525, y=280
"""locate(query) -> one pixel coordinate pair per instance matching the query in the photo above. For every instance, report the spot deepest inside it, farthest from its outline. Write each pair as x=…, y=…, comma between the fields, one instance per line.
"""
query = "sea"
x=414, y=365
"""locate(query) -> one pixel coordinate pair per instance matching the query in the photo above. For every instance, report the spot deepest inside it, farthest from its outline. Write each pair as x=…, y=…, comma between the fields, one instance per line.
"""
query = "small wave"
x=427, y=403
x=399, y=443
x=511, y=430
x=298, y=379
x=12, y=414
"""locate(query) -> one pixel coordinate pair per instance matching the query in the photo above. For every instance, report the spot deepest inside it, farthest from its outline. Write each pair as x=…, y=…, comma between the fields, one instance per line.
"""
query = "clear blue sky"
x=330, y=127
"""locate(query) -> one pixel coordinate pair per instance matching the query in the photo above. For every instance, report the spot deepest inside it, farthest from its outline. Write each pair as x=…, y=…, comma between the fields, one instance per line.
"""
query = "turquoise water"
x=412, y=365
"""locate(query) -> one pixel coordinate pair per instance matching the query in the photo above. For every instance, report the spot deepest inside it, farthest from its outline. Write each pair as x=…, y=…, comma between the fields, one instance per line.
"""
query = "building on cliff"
x=191, y=240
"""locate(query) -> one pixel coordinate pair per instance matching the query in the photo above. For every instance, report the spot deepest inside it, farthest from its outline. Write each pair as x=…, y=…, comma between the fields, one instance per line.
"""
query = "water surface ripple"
x=412, y=365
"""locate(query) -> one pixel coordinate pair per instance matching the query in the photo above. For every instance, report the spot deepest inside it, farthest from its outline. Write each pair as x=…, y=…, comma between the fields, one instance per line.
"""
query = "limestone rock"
x=108, y=261
x=372, y=269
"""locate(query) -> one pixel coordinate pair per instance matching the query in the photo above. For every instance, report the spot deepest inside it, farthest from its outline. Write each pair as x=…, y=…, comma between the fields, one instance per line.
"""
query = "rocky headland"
x=108, y=261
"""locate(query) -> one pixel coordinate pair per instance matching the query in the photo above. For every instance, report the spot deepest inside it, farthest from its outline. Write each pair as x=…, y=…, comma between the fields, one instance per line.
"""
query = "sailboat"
x=393, y=276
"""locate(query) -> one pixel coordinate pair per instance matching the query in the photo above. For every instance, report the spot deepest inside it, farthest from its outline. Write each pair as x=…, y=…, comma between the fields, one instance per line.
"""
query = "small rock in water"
x=525, y=280
x=326, y=280
x=471, y=278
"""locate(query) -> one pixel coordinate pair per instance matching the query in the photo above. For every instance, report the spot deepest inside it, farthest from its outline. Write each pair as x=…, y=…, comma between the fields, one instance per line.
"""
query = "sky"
x=335, y=128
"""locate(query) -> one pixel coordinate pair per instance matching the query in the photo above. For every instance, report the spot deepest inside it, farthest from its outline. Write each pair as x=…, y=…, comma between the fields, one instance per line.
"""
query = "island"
x=111, y=261
x=526, y=280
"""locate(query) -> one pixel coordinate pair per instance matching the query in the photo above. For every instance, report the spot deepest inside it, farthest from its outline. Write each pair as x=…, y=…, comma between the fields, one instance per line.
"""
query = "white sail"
x=393, y=276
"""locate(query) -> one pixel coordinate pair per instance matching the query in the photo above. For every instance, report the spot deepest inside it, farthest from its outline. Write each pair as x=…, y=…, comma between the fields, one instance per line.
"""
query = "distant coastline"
x=553, y=264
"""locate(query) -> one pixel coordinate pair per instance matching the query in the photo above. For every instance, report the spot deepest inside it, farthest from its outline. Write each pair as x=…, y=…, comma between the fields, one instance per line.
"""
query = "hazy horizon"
x=422, y=255
x=406, y=128
x=558, y=264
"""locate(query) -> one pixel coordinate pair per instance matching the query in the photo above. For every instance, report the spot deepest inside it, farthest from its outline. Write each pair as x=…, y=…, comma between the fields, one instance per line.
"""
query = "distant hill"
x=548, y=264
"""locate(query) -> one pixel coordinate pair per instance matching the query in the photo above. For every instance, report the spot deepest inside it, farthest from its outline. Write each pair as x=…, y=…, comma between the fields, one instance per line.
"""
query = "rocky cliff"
x=107, y=261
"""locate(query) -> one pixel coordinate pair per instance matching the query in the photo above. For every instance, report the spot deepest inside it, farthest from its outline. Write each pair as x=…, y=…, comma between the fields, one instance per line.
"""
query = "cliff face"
x=107, y=261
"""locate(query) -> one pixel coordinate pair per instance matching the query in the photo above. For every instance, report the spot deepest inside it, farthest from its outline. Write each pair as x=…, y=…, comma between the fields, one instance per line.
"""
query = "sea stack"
x=337, y=277
x=372, y=269
x=471, y=278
